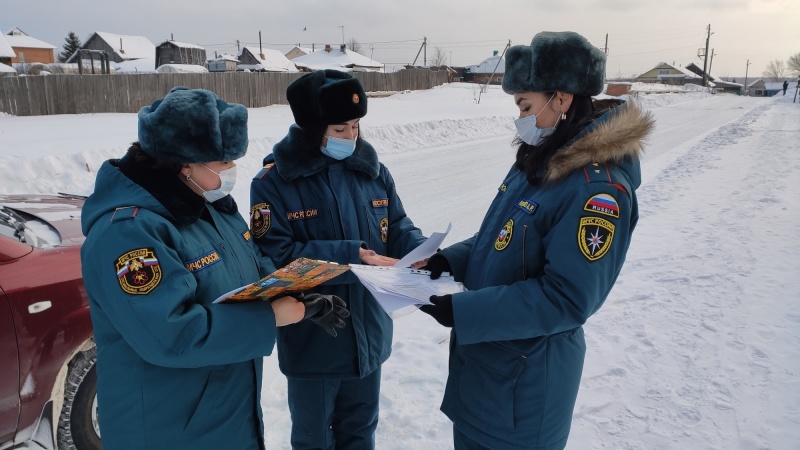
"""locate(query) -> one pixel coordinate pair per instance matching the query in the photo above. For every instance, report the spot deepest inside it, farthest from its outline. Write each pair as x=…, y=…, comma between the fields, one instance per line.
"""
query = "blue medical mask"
x=339, y=148
x=227, y=180
x=529, y=132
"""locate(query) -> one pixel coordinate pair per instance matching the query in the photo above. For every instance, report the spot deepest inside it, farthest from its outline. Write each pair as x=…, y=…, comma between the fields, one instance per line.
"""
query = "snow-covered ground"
x=697, y=345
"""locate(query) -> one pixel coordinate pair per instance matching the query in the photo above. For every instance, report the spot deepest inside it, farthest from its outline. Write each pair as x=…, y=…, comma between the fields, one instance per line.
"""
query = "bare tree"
x=438, y=57
x=794, y=64
x=354, y=45
x=775, y=70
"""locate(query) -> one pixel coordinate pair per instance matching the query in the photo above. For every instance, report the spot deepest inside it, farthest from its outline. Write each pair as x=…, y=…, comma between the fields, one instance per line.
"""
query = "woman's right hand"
x=374, y=259
x=288, y=310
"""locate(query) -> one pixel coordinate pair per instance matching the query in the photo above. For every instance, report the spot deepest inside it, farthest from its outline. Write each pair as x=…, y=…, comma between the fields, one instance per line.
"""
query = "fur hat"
x=193, y=125
x=326, y=97
x=555, y=61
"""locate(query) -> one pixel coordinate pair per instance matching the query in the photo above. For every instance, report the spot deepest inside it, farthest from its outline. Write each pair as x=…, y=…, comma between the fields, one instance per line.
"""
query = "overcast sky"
x=641, y=33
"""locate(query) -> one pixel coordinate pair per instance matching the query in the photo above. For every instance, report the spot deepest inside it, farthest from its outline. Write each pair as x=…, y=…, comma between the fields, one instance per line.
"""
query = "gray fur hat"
x=193, y=126
x=555, y=61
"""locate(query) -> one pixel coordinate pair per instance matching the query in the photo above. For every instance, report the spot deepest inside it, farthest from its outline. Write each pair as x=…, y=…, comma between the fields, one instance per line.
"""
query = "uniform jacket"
x=543, y=261
x=174, y=370
x=304, y=204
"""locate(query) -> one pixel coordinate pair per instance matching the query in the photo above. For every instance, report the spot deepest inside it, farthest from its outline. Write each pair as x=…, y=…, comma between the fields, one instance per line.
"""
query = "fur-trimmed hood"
x=295, y=156
x=615, y=136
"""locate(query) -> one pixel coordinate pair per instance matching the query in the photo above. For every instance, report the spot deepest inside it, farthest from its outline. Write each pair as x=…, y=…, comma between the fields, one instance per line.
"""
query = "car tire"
x=77, y=425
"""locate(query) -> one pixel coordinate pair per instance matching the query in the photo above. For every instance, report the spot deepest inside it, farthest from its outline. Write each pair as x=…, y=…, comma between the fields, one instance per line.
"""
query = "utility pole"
x=711, y=62
x=425, y=52
x=705, y=60
x=238, y=50
x=605, y=49
x=745, y=77
x=342, y=27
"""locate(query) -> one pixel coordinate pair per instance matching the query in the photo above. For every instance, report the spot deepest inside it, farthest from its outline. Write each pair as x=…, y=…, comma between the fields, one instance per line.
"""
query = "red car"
x=48, y=391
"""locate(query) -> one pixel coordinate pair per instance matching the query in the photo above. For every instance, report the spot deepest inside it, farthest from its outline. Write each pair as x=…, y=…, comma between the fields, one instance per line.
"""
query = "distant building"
x=718, y=83
x=119, y=47
x=28, y=49
x=223, y=63
x=264, y=60
x=298, y=51
x=341, y=59
x=173, y=52
x=757, y=88
x=6, y=52
x=668, y=74
x=490, y=69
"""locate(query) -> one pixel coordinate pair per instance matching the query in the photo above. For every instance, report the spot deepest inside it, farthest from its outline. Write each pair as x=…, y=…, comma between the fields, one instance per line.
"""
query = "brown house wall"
x=32, y=55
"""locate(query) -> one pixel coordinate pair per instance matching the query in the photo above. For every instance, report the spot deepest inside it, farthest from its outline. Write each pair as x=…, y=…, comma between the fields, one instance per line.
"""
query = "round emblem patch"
x=504, y=238
x=259, y=219
x=594, y=237
x=356, y=99
x=384, y=230
x=138, y=271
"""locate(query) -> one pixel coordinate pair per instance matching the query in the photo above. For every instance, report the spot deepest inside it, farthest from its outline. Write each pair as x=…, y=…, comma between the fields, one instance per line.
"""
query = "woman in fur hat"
x=323, y=194
x=547, y=253
x=164, y=239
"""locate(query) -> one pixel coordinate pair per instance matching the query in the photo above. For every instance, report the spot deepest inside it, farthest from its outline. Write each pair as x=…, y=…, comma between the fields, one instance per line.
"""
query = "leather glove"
x=437, y=264
x=327, y=311
x=441, y=310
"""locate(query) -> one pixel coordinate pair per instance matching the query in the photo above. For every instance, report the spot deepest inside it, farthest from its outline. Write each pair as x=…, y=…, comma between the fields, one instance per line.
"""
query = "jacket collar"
x=296, y=156
x=618, y=133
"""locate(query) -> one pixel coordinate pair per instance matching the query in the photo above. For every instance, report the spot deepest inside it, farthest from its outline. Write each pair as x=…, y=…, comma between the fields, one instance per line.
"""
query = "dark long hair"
x=533, y=159
x=144, y=161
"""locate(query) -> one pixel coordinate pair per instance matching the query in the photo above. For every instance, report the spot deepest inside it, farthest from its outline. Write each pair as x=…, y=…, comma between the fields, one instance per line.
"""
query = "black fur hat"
x=193, y=126
x=555, y=61
x=326, y=97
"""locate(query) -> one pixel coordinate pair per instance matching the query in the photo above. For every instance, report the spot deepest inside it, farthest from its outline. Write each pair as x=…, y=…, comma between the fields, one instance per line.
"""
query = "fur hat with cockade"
x=326, y=97
x=555, y=61
x=193, y=126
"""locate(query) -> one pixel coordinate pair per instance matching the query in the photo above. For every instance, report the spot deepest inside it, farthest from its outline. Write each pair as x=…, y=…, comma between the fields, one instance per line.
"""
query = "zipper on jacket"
x=524, y=236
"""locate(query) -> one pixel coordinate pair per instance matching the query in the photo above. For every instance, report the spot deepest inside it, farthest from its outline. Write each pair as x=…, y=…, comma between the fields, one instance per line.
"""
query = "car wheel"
x=78, y=427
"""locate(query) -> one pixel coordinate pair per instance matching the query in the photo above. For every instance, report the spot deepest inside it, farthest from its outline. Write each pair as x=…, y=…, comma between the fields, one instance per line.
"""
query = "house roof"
x=133, y=47
x=754, y=82
x=25, y=41
x=336, y=59
x=181, y=44
x=488, y=66
x=6, y=69
x=273, y=60
x=5, y=49
x=225, y=57
x=304, y=50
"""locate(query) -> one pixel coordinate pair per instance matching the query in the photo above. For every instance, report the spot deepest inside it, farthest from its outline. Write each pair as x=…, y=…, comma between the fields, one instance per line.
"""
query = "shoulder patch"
x=596, y=172
x=260, y=219
x=594, y=237
x=138, y=271
x=124, y=213
x=603, y=204
x=264, y=170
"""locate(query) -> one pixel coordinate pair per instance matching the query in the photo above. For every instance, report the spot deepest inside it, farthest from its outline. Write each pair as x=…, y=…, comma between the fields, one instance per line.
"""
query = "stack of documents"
x=401, y=290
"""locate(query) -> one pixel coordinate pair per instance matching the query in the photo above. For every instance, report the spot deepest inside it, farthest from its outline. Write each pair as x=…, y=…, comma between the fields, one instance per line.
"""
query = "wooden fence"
x=127, y=93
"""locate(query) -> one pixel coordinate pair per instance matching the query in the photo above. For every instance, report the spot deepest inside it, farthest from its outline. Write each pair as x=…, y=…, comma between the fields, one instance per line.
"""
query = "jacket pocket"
x=488, y=393
x=206, y=405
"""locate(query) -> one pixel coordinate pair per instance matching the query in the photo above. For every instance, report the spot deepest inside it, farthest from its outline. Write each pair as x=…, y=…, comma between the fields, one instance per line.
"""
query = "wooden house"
x=264, y=60
x=173, y=52
x=119, y=47
x=338, y=59
x=29, y=49
x=490, y=69
x=223, y=63
x=668, y=74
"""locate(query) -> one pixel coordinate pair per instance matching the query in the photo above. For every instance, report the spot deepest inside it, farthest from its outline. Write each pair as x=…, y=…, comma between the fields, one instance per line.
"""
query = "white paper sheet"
x=424, y=250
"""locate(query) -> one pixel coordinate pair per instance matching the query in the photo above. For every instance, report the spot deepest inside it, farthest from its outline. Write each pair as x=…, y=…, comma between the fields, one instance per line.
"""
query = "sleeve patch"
x=260, y=216
x=603, y=204
x=594, y=237
x=138, y=271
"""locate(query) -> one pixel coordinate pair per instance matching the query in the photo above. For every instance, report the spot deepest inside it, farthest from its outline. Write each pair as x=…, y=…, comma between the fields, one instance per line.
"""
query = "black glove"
x=327, y=311
x=442, y=308
x=437, y=264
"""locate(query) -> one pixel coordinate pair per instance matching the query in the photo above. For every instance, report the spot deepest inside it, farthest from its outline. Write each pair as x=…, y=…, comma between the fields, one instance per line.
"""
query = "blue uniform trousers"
x=334, y=414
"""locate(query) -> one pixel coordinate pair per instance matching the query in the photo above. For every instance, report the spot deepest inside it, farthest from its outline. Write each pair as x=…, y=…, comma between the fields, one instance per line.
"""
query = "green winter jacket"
x=174, y=370
x=543, y=261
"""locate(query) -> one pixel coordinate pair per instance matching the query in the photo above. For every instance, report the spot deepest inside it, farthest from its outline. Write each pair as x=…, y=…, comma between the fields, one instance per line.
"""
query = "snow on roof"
x=337, y=60
x=273, y=60
x=759, y=80
x=181, y=68
x=25, y=41
x=488, y=65
x=5, y=49
x=6, y=69
x=226, y=57
x=133, y=47
x=144, y=65
x=182, y=44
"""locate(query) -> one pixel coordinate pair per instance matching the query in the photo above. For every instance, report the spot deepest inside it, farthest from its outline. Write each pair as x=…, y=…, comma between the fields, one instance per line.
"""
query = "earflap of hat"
x=302, y=97
x=233, y=129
